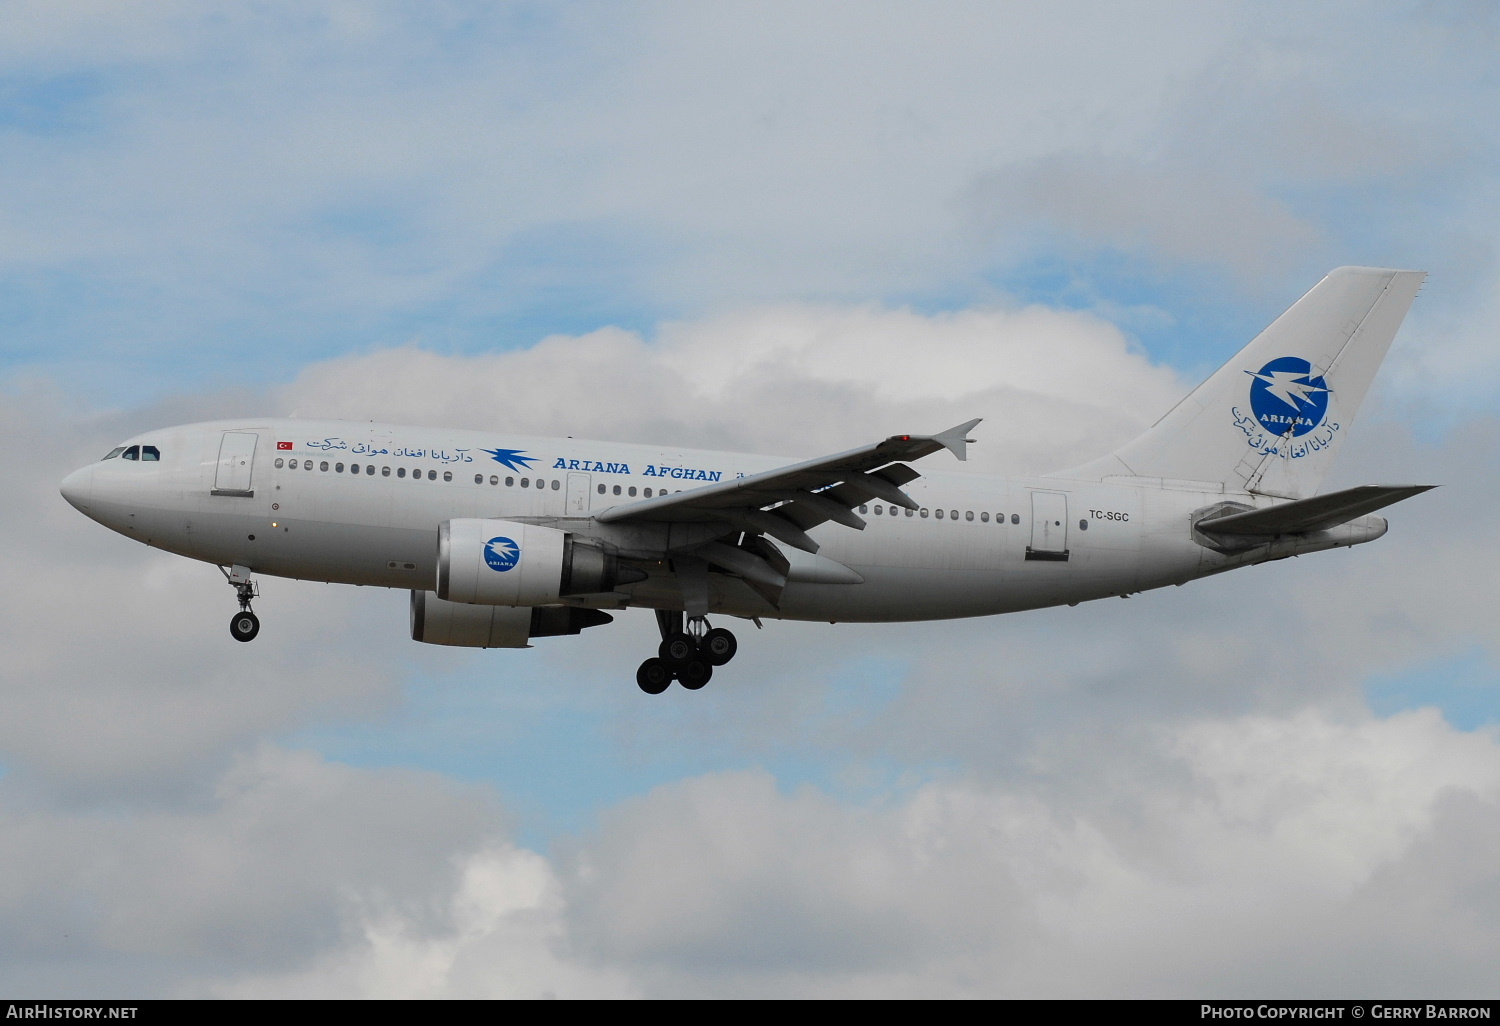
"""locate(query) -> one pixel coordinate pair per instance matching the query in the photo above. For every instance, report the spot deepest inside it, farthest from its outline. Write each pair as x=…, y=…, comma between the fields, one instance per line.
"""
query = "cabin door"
x=236, y=461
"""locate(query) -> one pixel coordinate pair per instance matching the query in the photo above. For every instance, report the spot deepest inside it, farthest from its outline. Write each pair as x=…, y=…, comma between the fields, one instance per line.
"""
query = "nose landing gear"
x=244, y=625
x=689, y=656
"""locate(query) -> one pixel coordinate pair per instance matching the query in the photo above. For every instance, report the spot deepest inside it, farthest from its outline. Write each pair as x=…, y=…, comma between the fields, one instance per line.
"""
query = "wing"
x=787, y=502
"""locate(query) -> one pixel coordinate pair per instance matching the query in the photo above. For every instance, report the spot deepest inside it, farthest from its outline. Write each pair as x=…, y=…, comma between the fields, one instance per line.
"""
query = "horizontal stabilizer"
x=1315, y=514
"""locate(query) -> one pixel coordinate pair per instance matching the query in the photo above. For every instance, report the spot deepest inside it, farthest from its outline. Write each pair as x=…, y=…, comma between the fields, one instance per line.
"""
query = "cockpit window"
x=150, y=453
x=133, y=453
x=115, y=452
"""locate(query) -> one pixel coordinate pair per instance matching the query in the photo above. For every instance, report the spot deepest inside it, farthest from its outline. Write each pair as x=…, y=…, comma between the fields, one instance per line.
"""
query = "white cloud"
x=1055, y=387
x=257, y=179
x=1234, y=857
x=261, y=873
x=1175, y=875
x=499, y=934
x=1171, y=212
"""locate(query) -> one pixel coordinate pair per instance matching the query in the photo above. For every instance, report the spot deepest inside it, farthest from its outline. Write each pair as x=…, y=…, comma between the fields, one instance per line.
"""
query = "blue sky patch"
x=1465, y=687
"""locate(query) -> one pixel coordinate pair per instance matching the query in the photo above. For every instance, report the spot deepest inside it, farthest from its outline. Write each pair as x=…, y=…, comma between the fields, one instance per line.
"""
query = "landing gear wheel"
x=654, y=676
x=244, y=626
x=695, y=673
x=678, y=648
x=718, y=646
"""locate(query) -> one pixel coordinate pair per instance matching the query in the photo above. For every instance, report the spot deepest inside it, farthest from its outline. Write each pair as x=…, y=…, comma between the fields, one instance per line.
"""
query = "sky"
x=786, y=228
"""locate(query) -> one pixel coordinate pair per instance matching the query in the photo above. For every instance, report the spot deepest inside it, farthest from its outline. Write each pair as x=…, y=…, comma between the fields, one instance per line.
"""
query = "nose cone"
x=78, y=488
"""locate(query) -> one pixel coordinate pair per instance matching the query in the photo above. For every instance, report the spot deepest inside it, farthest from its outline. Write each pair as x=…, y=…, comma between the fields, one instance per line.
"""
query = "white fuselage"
x=979, y=545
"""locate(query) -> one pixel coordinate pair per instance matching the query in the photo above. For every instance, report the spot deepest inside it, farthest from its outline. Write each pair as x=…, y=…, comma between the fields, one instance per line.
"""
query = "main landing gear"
x=244, y=625
x=687, y=656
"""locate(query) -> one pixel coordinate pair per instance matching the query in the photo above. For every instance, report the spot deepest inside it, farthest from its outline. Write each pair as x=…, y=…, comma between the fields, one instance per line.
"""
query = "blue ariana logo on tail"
x=1286, y=398
x=501, y=553
x=1288, y=410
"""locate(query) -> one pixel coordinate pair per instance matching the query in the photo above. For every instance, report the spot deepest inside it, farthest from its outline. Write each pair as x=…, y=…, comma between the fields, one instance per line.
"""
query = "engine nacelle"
x=466, y=625
x=503, y=563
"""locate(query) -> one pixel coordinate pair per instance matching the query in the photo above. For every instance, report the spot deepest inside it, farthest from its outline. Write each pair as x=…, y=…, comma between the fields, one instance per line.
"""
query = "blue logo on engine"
x=1287, y=399
x=501, y=554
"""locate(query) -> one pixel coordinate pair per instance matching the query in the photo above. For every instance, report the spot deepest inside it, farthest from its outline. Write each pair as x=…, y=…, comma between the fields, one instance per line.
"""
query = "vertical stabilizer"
x=1272, y=418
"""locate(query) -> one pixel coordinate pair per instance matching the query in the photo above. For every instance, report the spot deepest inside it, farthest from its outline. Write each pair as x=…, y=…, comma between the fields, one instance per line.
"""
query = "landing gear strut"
x=688, y=653
x=244, y=625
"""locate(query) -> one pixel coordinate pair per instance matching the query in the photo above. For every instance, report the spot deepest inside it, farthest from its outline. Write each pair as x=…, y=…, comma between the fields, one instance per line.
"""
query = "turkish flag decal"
x=283, y=445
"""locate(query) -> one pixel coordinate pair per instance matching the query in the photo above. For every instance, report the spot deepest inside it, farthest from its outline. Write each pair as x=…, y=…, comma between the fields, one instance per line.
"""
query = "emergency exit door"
x=578, y=495
x=1049, y=526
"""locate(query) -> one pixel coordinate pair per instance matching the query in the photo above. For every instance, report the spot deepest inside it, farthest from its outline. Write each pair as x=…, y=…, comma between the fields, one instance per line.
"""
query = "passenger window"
x=632, y=491
x=984, y=518
x=385, y=471
x=510, y=482
x=617, y=489
x=556, y=485
x=939, y=514
x=648, y=493
x=354, y=468
x=400, y=471
x=279, y=462
x=307, y=464
x=525, y=482
x=432, y=475
x=911, y=512
x=150, y=454
x=1015, y=518
x=494, y=479
x=878, y=510
x=968, y=514
x=447, y=475
x=114, y=452
x=479, y=479
x=369, y=470
x=338, y=467
x=1083, y=525
x=324, y=466
x=924, y=514
x=953, y=514
x=601, y=489
x=133, y=453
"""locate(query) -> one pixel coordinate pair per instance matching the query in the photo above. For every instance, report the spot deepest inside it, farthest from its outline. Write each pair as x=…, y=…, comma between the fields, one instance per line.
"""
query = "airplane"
x=502, y=539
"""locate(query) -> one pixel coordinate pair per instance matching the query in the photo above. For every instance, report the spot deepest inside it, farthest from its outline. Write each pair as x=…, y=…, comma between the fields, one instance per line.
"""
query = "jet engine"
x=504, y=563
x=467, y=625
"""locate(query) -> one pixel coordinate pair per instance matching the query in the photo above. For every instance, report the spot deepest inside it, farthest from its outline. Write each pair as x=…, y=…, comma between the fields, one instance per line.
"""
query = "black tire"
x=654, y=676
x=695, y=673
x=718, y=646
x=677, y=649
x=244, y=626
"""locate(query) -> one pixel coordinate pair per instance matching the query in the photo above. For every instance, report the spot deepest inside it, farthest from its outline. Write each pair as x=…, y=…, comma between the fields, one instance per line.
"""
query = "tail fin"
x=1271, y=419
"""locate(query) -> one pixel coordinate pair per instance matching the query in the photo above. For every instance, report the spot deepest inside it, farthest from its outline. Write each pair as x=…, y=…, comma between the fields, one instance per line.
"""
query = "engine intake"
x=504, y=563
